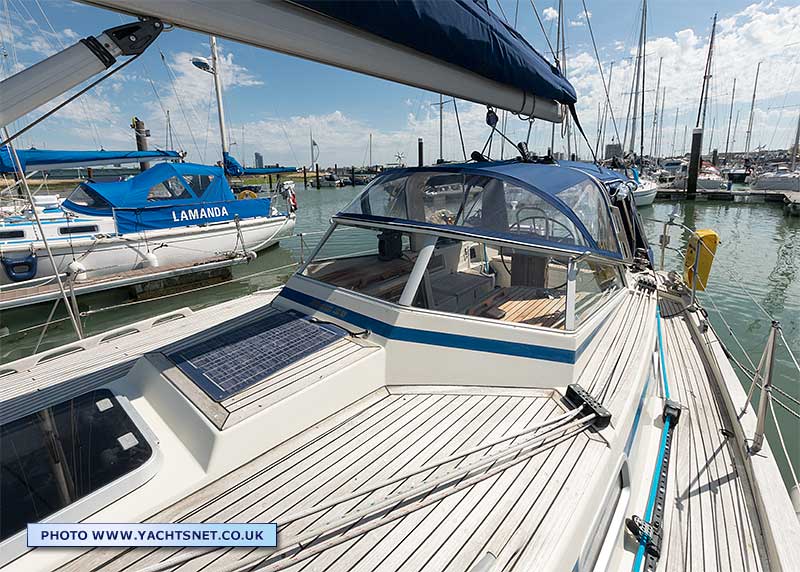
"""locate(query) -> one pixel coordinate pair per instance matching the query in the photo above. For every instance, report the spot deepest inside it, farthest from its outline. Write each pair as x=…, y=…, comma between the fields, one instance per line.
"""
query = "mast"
x=675, y=132
x=370, y=149
x=644, y=69
x=701, y=112
x=218, y=88
x=558, y=65
x=752, y=108
x=653, y=137
x=637, y=75
x=311, y=147
x=659, y=140
x=567, y=123
x=730, y=120
x=441, y=109
x=796, y=147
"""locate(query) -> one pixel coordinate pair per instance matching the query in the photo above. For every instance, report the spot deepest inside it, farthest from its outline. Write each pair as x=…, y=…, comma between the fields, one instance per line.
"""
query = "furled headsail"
x=459, y=48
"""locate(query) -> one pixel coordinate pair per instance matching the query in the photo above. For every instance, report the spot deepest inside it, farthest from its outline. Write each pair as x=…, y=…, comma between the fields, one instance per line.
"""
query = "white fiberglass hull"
x=782, y=182
x=645, y=194
x=178, y=246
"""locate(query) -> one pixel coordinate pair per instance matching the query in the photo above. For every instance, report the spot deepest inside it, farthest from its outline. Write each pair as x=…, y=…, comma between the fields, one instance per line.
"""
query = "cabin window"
x=379, y=269
x=88, y=198
x=199, y=183
x=78, y=229
x=493, y=205
x=595, y=283
x=168, y=190
x=63, y=454
x=7, y=234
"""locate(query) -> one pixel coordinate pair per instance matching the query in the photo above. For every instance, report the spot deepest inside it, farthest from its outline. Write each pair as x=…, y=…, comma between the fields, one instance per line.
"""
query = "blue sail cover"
x=235, y=169
x=167, y=195
x=43, y=159
x=463, y=33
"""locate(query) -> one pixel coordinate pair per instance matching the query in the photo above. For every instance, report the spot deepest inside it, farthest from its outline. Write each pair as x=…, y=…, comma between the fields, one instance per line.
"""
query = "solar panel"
x=232, y=361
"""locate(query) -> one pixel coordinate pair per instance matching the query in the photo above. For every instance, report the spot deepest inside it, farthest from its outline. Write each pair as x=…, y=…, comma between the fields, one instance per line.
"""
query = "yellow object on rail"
x=706, y=241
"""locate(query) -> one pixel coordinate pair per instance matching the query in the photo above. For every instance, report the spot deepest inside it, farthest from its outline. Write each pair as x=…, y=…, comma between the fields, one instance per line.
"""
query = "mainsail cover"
x=463, y=33
x=44, y=159
x=458, y=48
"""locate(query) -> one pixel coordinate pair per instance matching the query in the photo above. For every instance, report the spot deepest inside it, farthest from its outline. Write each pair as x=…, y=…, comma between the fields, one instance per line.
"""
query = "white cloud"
x=580, y=20
x=550, y=14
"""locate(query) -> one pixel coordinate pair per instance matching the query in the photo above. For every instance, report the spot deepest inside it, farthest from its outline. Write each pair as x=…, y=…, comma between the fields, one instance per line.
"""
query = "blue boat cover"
x=235, y=169
x=553, y=205
x=462, y=33
x=165, y=196
x=43, y=159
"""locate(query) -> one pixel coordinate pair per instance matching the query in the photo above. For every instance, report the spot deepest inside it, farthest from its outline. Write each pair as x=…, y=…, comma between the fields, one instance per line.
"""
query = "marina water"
x=759, y=245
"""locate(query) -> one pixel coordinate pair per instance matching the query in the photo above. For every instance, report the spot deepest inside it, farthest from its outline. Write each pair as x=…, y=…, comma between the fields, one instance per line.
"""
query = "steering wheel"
x=549, y=223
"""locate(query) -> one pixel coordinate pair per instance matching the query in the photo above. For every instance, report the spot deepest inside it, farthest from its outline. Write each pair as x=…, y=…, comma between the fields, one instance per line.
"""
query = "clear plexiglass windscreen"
x=491, y=205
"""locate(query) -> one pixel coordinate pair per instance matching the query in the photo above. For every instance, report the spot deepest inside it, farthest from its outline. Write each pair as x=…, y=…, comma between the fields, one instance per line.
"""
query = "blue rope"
x=651, y=500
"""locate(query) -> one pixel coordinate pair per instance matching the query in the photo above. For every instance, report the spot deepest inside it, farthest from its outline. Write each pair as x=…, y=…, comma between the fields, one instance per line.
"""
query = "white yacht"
x=502, y=383
x=781, y=179
x=171, y=214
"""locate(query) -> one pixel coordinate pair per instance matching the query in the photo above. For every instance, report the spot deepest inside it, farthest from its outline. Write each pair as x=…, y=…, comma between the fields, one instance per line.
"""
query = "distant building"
x=613, y=150
x=259, y=161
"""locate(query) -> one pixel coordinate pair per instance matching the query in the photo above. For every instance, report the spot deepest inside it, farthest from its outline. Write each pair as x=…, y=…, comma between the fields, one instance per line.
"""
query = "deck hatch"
x=232, y=361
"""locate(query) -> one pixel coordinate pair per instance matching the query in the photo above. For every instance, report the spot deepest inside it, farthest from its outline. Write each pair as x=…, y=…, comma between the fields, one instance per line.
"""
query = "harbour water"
x=759, y=254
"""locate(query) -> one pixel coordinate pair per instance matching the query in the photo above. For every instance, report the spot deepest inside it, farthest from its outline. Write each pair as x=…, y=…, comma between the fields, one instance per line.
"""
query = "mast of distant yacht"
x=752, y=108
x=730, y=121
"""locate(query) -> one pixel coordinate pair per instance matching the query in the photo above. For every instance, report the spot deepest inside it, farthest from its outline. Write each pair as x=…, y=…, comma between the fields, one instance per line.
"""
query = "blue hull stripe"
x=432, y=338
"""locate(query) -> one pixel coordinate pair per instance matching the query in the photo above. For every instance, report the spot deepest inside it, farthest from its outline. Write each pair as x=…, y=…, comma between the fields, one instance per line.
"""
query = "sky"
x=273, y=101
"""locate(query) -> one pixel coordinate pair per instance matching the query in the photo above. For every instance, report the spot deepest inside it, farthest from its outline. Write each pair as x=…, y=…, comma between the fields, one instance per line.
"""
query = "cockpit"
x=522, y=243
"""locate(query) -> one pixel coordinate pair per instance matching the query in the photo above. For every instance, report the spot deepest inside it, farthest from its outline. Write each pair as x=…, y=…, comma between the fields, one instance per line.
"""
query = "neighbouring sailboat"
x=169, y=215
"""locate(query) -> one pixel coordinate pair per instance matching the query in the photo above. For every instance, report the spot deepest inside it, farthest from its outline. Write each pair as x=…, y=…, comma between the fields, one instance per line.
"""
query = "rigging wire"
x=546, y=37
x=180, y=104
x=93, y=125
x=503, y=12
x=460, y=134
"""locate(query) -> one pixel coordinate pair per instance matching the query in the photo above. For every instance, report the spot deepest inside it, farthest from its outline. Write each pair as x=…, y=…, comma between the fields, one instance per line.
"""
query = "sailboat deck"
x=511, y=507
x=710, y=518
